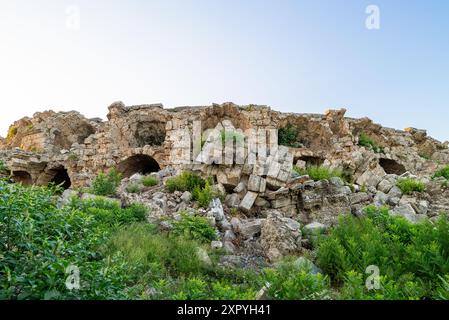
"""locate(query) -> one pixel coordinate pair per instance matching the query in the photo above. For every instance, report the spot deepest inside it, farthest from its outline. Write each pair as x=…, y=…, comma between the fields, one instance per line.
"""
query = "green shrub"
x=410, y=185
x=11, y=133
x=413, y=255
x=288, y=136
x=150, y=181
x=133, y=188
x=109, y=212
x=106, y=184
x=38, y=242
x=366, y=141
x=194, y=227
x=203, y=195
x=444, y=172
x=319, y=173
x=187, y=181
x=3, y=167
x=156, y=253
x=404, y=288
x=288, y=282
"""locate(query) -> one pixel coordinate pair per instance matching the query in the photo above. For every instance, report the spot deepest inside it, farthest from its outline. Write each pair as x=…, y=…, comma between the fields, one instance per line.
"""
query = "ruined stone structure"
x=68, y=148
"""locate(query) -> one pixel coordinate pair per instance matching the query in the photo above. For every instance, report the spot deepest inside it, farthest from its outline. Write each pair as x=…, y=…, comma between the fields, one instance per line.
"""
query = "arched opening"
x=60, y=177
x=391, y=166
x=150, y=133
x=22, y=177
x=309, y=160
x=138, y=164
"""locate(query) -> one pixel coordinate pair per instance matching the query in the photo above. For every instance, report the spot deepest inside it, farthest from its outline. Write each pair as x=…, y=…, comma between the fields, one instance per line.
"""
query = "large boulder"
x=280, y=236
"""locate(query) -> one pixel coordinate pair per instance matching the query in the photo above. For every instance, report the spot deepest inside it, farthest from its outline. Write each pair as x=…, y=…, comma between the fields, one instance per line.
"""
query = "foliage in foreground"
x=194, y=227
x=122, y=257
x=410, y=257
x=106, y=184
x=38, y=242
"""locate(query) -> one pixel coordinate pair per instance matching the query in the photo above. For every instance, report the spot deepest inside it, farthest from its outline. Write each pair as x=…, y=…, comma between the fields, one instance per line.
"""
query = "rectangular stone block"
x=248, y=201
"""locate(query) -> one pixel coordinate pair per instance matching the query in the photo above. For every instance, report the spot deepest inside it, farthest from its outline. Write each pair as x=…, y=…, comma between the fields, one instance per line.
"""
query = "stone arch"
x=140, y=163
x=57, y=175
x=310, y=160
x=22, y=177
x=392, y=166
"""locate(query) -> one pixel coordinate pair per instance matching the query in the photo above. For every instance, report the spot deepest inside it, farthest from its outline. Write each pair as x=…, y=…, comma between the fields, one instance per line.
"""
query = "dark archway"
x=61, y=177
x=310, y=160
x=22, y=177
x=392, y=167
x=138, y=164
x=150, y=133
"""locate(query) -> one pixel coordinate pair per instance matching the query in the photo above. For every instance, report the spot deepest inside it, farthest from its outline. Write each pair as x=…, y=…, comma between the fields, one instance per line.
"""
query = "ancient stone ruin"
x=68, y=149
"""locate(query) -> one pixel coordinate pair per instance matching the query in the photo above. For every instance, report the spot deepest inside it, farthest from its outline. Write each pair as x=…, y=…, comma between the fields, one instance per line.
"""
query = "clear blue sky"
x=297, y=56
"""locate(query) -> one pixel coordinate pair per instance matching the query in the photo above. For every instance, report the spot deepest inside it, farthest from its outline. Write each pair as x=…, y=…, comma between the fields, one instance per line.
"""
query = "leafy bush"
x=133, y=188
x=203, y=195
x=410, y=185
x=366, y=141
x=413, y=255
x=106, y=184
x=3, y=167
x=157, y=253
x=289, y=282
x=288, y=136
x=319, y=173
x=405, y=288
x=150, y=181
x=38, y=242
x=194, y=227
x=169, y=263
x=109, y=212
x=187, y=181
x=444, y=172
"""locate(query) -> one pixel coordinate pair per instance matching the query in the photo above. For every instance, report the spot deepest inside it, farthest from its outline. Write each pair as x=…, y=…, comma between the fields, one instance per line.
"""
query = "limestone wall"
x=142, y=138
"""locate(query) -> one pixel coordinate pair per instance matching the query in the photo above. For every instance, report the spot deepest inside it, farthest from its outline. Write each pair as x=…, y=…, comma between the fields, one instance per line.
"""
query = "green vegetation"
x=203, y=195
x=410, y=185
x=72, y=157
x=38, y=242
x=187, y=181
x=194, y=227
x=201, y=189
x=121, y=256
x=106, y=184
x=366, y=141
x=290, y=282
x=150, y=181
x=318, y=173
x=3, y=167
x=409, y=256
x=444, y=172
x=133, y=188
x=11, y=133
x=288, y=136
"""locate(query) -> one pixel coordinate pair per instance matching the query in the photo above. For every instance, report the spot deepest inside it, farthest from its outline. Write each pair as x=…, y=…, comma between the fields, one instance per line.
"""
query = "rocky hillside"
x=284, y=180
